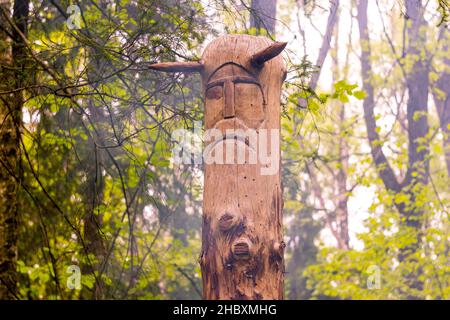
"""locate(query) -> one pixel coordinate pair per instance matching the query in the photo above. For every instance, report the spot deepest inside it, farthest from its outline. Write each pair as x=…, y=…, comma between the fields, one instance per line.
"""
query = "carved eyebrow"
x=233, y=64
x=236, y=79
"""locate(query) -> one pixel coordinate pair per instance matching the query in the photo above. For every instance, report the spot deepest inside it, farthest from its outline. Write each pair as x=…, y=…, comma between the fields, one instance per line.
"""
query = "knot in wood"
x=227, y=221
x=241, y=249
x=278, y=250
x=279, y=247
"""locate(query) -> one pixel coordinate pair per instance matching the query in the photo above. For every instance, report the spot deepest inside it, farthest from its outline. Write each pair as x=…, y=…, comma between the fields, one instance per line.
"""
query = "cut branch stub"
x=228, y=221
x=258, y=59
x=177, y=66
x=241, y=249
x=278, y=248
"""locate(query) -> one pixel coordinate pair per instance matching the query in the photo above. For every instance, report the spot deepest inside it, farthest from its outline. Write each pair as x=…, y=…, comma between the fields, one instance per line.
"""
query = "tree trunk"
x=93, y=196
x=333, y=18
x=442, y=99
x=242, y=253
x=9, y=153
x=337, y=222
x=341, y=203
x=383, y=167
x=304, y=230
x=263, y=15
x=417, y=81
x=11, y=117
x=10, y=135
x=242, y=247
x=94, y=163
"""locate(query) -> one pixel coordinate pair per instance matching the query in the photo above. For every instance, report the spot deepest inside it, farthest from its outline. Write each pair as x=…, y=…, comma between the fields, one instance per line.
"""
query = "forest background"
x=87, y=186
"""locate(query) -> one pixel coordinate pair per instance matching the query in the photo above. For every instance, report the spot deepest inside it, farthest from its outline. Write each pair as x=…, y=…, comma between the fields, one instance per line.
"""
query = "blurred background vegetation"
x=85, y=133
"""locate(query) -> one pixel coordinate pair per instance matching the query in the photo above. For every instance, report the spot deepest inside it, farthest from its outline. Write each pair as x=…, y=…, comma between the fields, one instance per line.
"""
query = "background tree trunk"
x=263, y=15
x=10, y=139
x=94, y=165
x=337, y=220
x=417, y=82
x=442, y=98
x=333, y=19
x=303, y=231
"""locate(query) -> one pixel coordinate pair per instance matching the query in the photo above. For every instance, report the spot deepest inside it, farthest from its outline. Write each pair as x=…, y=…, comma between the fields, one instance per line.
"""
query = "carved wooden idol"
x=242, y=248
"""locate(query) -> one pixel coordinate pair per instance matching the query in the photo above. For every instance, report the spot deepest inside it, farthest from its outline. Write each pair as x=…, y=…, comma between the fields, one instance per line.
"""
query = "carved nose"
x=229, y=111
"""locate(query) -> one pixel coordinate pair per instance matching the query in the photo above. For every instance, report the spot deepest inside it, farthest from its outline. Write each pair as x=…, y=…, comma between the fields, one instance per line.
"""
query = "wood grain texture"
x=242, y=251
x=177, y=66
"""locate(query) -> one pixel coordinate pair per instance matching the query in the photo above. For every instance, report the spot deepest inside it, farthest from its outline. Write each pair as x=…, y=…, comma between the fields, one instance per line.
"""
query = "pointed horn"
x=268, y=53
x=177, y=66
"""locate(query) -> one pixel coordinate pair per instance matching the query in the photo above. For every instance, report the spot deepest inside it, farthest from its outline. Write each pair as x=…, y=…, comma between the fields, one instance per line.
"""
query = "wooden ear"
x=177, y=66
x=268, y=53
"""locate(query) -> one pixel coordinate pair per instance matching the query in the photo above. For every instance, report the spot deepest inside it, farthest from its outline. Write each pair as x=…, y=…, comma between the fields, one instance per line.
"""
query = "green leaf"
x=360, y=95
x=343, y=98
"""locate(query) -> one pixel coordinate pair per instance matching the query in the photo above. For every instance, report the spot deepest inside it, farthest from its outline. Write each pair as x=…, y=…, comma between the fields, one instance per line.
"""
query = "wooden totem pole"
x=242, y=248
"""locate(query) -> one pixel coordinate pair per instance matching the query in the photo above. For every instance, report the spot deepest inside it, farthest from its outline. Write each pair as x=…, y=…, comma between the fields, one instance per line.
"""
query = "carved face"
x=241, y=78
x=239, y=74
x=234, y=93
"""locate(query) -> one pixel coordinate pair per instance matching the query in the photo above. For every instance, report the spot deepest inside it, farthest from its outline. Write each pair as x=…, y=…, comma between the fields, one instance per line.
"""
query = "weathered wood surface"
x=242, y=245
x=242, y=252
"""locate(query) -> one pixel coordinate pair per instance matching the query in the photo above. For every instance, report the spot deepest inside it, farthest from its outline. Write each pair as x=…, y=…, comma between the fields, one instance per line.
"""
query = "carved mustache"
x=232, y=124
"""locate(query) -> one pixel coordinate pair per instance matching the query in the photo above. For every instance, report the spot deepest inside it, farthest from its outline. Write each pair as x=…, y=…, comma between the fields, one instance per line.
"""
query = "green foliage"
x=99, y=150
x=345, y=274
x=98, y=189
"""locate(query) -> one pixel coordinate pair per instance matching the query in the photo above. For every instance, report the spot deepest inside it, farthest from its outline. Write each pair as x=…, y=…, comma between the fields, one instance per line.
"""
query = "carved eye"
x=249, y=104
x=214, y=93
